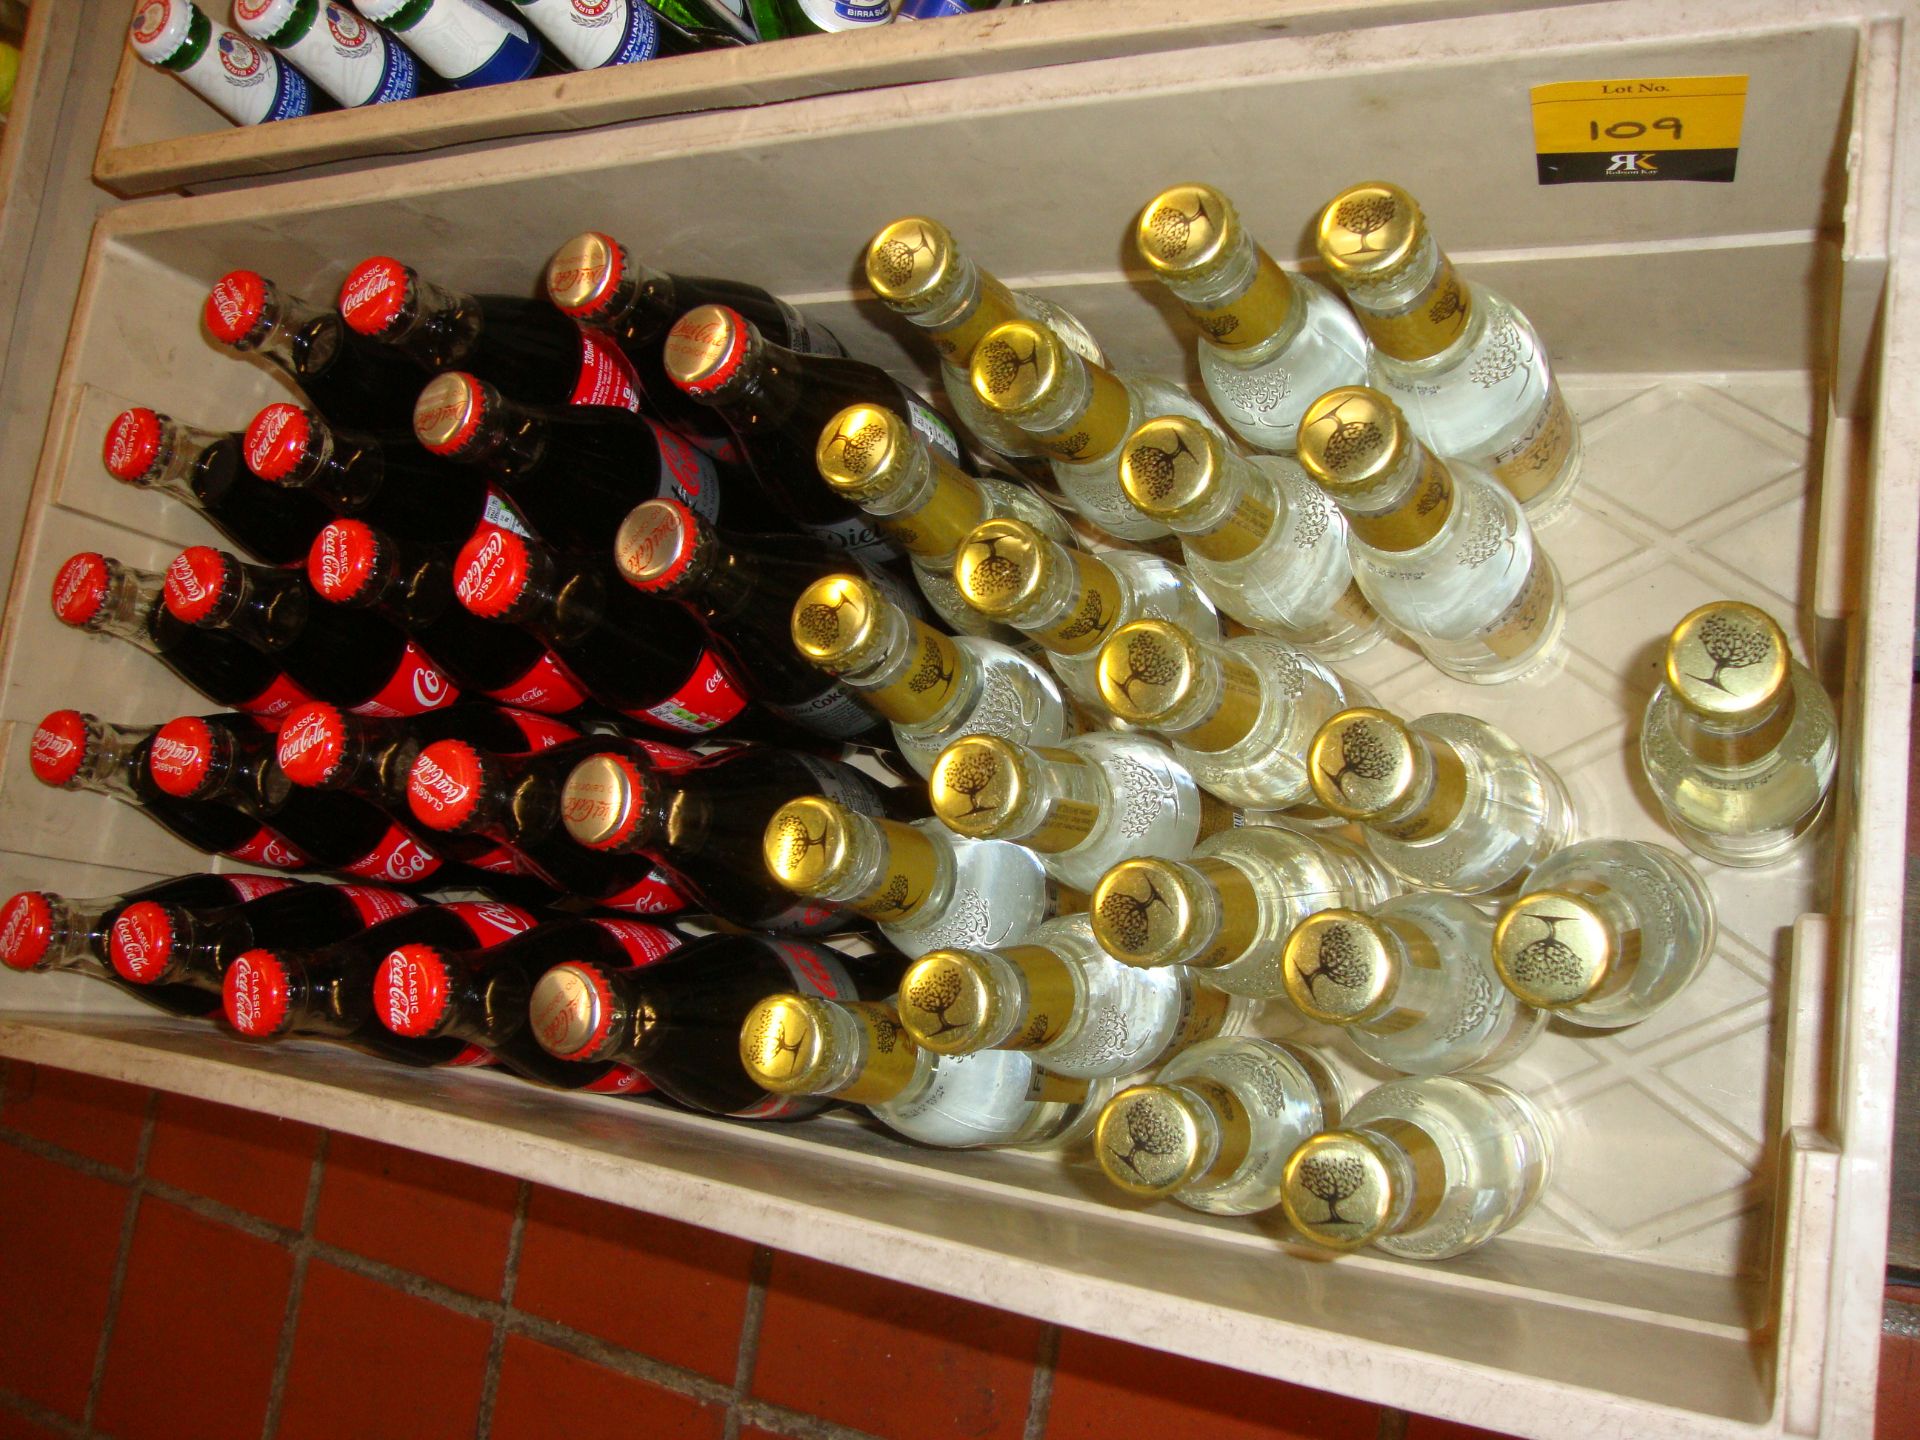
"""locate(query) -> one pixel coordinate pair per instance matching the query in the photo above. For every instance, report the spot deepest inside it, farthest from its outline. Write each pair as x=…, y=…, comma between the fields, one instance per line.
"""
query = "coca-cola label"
x=270, y=848
x=277, y=699
x=499, y=860
x=541, y=732
x=491, y=921
x=547, y=686
x=656, y=894
x=607, y=377
x=417, y=686
x=133, y=444
x=398, y=857
x=619, y=1079
x=808, y=917
x=686, y=475
x=707, y=700
x=644, y=944
x=668, y=757
x=252, y=887
x=473, y=1057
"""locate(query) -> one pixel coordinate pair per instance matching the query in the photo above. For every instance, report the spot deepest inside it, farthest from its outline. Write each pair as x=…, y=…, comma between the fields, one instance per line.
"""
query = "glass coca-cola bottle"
x=573, y=473
x=678, y=1020
x=481, y=996
x=48, y=933
x=353, y=658
x=741, y=589
x=411, y=585
x=394, y=487
x=704, y=822
x=169, y=942
x=526, y=347
x=327, y=992
x=777, y=401
x=458, y=788
x=229, y=760
x=355, y=383
x=595, y=280
x=640, y=655
x=72, y=751
x=103, y=597
x=204, y=468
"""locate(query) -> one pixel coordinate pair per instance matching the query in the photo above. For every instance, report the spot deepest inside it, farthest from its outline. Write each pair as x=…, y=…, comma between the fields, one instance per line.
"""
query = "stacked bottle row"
x=297, y=57
x=1153, y=807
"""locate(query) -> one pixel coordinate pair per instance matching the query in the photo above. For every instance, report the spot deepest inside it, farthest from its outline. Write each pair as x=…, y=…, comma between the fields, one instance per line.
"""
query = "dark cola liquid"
x=355, y=383
x=195, y=892
x=221, y=667
x=533, y=803
x=342, y=655
x=401, y=490
x=483, y=657
x=526, y=347
x=272, y=524
x=206, y=825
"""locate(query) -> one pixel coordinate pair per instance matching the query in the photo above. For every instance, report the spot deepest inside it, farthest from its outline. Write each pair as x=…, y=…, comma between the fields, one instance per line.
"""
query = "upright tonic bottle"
x=1440, y=549
x=1270, y=342
x=1463, y=363
x=352, y=61
x=468, y=43
x=245, y=82
x=1739, y=739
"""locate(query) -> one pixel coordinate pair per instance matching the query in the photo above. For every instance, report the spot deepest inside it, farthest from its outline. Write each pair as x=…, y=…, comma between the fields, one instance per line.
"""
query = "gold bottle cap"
x=1186, y=230
x=1726, y=660
x=836, y=622
x=1553, y=949
x=1338, y=1190
x=584, y=273
x=1353, y=441
x=979, y=784
x=1003, y=567
x=1169, y=466
x=1144, y=911
x=704, y=348
x=807, y=846
x=910, y=262
x=1147, y=670
x=948, y=1001
x=448, y=411
x=786, y=1044
x=604, y=802
x=1340, y=966
x=1369, y=233
x=860, y=453
x=1150, y=1139
x=1362, y=764
x=1018, y=368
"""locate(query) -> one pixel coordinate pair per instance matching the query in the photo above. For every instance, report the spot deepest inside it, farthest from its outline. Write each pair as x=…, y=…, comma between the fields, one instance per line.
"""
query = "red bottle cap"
x=443, y=787
x=705, y=347
x=373, y=295
x=342, y=560
x=142, y=942
x=26, y=930
x=656, y=543
x=182, y=754
x=80, y=589
x=133, y=444
x=196, y=577
x=491, y=571
x=410, y=990
x=60, y=745
x=255, y=993
x=277, y=441
x=235, y=306
x=571, y=1010
x=310, y=744
x=584, y=273
x=449, y=411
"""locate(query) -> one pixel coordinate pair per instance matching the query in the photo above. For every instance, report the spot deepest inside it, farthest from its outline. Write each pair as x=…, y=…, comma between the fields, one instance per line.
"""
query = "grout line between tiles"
x=121, y=1260
x=302, y=1247
x=748, y=1355
x=497, y=1344
x=1040, y=1398
x=40, y=1415
x=794, y=1425
x=1393, y=1424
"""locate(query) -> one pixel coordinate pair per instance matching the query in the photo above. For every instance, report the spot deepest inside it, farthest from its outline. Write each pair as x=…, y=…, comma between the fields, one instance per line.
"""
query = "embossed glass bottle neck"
x=1730, y=744
x=1072, y=577
x=1435, y=799
x=127, y=611
x=1263, y=323
x=1062, y=805
x=110, y=766
x=887, y=680
x=76, y=933
x=1038, y=996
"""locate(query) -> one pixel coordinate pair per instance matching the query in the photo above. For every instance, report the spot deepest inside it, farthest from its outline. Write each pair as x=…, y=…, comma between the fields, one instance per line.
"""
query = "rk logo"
x=1632, y=163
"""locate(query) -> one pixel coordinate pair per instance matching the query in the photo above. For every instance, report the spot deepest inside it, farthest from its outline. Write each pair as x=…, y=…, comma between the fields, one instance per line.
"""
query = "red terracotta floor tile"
x=1425, y=1427
x=835, y=1343
x=100, y=1119
x=446, y=1221
x=18, y=1427
x=376, y=1364
x=605, y=1270
x=1897, y=1410
x=547, y=1394
x=197, y=1330
x=1102, y=1385
x=253, y=1162
x=59, y=1241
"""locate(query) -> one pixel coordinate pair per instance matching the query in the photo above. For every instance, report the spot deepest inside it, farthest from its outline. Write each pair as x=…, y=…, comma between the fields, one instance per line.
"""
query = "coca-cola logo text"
x=336, y=560
x=363, y=289
x=77, y=575
x=434, y=787
x=268, y=426
x=17, y=927
x=127, y=443
x=489, y=558
x=185, y=580
x=247, y=991
x=301, y=736
x=174, y=758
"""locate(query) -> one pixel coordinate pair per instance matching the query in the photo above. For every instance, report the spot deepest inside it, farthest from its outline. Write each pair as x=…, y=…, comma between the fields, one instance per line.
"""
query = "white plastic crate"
x=1708, y=1263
